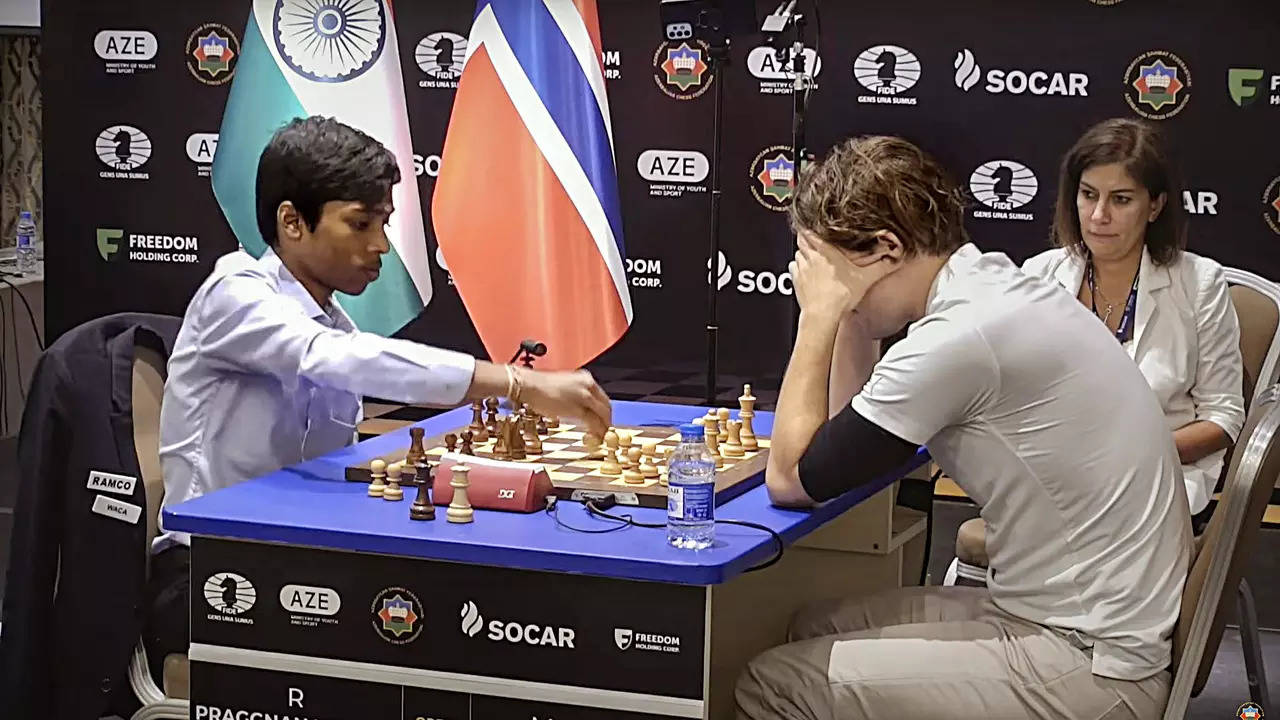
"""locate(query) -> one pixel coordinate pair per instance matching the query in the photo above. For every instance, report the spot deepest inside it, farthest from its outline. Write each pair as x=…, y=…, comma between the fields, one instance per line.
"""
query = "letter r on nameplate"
x=295, y=697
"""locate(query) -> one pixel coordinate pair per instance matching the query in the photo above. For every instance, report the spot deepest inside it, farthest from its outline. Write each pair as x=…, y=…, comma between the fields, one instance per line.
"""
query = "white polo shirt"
x=1040, y=416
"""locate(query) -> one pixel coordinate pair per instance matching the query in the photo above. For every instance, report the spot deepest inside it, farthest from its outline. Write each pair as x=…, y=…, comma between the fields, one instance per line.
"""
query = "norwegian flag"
x=526, y=206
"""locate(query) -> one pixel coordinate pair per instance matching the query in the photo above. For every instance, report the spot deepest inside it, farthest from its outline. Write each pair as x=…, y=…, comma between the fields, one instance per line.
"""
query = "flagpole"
x=719, y=54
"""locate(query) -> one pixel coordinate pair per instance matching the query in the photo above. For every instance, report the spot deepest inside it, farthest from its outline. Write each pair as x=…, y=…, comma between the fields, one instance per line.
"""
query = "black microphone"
x=530, y=347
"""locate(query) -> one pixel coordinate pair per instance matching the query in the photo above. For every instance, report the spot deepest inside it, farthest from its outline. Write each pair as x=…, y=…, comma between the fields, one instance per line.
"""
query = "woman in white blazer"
x=1120, y=232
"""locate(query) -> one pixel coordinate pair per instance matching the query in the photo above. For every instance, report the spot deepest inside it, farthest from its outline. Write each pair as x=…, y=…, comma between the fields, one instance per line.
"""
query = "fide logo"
x=1003, y=186
x=397, y=615
x=1271, y=203
x=212, y=53
x=123, y=149
x=888, y=71
x=441, y=56
x=773, y=178
x=230, y=596
x=1157, y=85
x=329, y=42
x=680, y=70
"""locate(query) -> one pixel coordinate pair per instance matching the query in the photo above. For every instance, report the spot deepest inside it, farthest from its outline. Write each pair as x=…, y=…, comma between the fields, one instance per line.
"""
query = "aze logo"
x=774, y=178
x=1157, y=85
x=680, y=71
x=212, y=53
x=397, y=615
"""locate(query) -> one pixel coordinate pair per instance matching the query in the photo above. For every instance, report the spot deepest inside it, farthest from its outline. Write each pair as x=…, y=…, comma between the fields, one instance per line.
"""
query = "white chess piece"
x=460, y=506
x=378, y=471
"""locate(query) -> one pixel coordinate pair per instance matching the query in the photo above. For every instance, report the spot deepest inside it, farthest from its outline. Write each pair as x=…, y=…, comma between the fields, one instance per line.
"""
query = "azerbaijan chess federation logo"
x=212, y=53
x=681, y=71
x=773, y=176
x=1003, y=186
x=231, y=596
x=1271, y=205
x=1157, y=85
x=441, y=56
x=1250, y=711
x=397, y=615
x=329, y=40
x=888, y=72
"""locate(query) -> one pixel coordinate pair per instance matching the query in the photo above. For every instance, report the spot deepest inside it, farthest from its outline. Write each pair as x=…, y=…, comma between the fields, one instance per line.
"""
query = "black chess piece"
x=422, y=509
x=467, y=439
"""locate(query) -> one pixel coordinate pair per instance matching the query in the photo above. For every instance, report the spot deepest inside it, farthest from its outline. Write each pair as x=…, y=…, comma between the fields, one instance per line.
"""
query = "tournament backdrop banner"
x=135, y=91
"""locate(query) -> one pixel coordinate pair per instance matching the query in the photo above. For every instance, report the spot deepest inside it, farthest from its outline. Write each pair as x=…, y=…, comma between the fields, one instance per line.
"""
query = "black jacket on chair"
x=73, y=603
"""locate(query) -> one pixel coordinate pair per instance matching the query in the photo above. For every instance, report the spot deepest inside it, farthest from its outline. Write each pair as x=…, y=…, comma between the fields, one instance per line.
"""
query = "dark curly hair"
x=870, y=184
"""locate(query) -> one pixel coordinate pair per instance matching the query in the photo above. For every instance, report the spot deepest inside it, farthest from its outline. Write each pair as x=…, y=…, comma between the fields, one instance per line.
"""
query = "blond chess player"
x=1089, y=536
x=268, y=371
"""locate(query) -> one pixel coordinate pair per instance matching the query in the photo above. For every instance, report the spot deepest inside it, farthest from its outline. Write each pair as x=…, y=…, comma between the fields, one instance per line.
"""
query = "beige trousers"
x=930, y=652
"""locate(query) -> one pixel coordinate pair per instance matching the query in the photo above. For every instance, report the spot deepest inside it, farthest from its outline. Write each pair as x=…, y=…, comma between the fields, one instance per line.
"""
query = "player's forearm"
x=1198, y=440
x=852, y=359
x=489, y=380
x=802, y=408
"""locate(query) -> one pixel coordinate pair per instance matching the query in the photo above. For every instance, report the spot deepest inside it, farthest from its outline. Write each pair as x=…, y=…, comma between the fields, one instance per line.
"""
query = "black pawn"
x=422, y=509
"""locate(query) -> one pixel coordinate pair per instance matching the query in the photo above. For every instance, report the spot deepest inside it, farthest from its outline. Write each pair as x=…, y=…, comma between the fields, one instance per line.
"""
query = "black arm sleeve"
x=847, y=451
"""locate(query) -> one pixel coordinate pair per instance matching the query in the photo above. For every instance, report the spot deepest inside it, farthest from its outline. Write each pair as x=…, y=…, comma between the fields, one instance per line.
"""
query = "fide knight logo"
x=124, y=149
x=1271, y=205
x=212, y=53
x=888, y=72
x=680, y=70
x=773, y=177
x=231, y=596
x=1004, y=187
x=1157, y=85
x=329, y=41
x=441, y=56
x=397, y=615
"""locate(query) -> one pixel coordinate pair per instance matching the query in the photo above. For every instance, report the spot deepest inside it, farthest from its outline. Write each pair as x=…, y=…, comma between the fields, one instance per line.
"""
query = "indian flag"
x=338, y=59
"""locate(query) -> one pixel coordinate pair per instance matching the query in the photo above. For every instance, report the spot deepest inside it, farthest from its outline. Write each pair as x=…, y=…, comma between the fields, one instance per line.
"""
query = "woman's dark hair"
x=315, y=160
x=1139, y=147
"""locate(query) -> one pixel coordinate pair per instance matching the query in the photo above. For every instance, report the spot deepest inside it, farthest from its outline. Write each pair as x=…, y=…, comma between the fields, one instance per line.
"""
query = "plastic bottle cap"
x=688, y=429
x=24, y=215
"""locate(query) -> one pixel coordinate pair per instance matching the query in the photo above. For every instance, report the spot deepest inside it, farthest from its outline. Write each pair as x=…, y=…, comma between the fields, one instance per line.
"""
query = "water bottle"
x=26, y=243
x=691, y=492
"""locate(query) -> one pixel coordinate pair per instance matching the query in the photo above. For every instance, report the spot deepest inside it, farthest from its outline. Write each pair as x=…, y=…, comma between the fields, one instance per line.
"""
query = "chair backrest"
x=1219, y=562
x=148, y=389
x=1257, y=305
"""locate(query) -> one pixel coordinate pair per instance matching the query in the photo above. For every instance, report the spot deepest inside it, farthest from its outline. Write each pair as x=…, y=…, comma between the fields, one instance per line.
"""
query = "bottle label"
x=691, y=503
x=24, y=240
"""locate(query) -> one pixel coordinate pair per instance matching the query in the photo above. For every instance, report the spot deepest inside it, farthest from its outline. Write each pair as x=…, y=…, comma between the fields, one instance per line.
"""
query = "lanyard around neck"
x=1124, y=332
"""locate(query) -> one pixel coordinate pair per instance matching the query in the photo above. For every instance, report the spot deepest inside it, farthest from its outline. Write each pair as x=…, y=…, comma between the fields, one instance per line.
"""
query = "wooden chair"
x=1222, y=550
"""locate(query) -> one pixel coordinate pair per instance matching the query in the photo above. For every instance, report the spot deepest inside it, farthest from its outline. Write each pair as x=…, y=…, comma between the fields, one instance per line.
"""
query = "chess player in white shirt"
x=269, y=371
x=1120, y=231
x=1024, y=398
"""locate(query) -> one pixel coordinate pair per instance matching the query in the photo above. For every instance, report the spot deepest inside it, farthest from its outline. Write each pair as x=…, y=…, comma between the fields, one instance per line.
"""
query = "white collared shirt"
x=1020, y=394
x=1186, y=342
x=261, y=377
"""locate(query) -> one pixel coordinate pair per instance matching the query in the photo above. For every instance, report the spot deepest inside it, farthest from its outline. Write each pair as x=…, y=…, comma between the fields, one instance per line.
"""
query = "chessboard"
x=577, y=477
